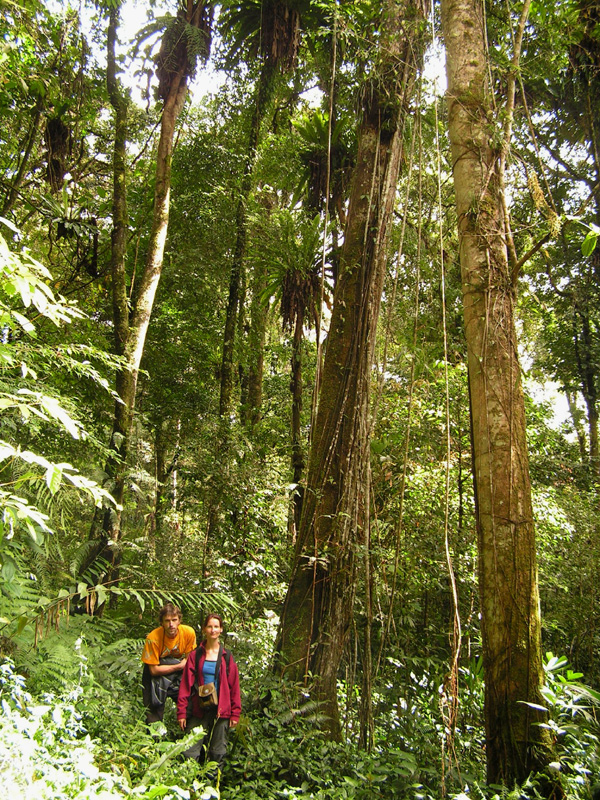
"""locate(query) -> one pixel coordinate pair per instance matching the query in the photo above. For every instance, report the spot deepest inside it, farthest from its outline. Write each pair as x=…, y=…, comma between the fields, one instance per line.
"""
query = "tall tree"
x=186, y=37
x=319, y=602
x=293, y=253
x=516, y=744
x=272, y=33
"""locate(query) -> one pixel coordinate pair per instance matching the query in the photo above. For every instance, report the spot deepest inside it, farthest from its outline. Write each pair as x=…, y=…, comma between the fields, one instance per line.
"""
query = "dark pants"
x=154, y=713
x=214, y=745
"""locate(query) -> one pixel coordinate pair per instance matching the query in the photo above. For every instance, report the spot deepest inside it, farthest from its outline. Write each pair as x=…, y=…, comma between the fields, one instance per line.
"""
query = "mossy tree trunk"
x=174, y=66
x=107, y=520
x=511, y=626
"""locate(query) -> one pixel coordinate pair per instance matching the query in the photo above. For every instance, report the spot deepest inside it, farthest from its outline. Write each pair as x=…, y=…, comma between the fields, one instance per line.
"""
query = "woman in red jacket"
x=210, y=662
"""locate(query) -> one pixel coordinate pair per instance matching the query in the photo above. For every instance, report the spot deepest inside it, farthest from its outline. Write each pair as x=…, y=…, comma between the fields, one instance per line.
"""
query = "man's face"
x=170, y=623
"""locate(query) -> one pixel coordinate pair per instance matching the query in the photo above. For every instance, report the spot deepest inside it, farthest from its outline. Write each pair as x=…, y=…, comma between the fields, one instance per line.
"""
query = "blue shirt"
x=208, y=673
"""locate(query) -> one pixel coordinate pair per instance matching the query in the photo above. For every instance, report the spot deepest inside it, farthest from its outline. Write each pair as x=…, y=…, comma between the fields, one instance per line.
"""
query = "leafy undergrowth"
x=47, y=752
x=73, y=728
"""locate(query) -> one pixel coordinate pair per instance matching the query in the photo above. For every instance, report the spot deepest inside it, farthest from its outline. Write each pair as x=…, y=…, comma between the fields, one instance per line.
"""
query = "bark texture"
x=511, y=625
x=319, y=603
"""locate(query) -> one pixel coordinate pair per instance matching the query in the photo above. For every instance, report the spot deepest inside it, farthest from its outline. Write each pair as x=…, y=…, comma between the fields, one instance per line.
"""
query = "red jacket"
x=230, y=704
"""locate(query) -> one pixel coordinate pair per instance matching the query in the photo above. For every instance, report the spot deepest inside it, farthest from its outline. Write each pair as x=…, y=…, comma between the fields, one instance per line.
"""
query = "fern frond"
x=308, y=710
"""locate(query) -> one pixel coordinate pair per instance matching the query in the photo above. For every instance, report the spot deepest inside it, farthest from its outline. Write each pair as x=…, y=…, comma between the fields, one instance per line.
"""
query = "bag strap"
x=218, y=666
x=198, y=665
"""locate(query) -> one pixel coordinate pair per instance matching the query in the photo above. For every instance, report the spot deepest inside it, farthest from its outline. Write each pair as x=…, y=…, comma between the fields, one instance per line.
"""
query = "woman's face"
x=212, y=630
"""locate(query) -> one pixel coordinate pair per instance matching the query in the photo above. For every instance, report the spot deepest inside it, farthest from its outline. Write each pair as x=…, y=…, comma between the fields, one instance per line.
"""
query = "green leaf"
x=537, y=706
x=102, y=593
x=573, y=676
x=55, y=410
x=172, y=751
x=139, y=598
x=26, y=324
x=6, y=450
x=555, y=663
x=33, y=532
x=54, y=478
x=23, y=621
x=10, y=225
x=589, y=243
x=8, y=570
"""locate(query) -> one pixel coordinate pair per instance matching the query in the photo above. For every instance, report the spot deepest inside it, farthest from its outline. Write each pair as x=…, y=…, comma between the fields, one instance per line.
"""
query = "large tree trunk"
x=511, y=625
x=131, y=330
x=319, y=603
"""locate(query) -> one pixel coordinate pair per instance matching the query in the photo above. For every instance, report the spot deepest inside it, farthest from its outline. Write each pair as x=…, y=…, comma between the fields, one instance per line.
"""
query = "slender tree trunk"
x=165, y=498
x=256, y=344
x=243, y=335
x=319, y=603
x=575, y=415
x=258, y=329
x=297, y=449
x=30, y=140
x=264, y=91
x=587, y=113
x=367, y=722
x=107, y=518
x=511, y=624
x=584, y=348
x=134, y=347
x=131, y=329
x=592, y=409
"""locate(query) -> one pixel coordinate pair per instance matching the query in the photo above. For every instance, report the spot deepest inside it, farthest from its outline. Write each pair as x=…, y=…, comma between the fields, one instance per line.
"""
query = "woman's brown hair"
x=212, y=616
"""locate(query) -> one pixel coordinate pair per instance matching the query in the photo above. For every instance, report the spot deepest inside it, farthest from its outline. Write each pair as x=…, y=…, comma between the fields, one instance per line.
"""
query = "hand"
x=182, y=724
x=182, y=664
x=233, y=723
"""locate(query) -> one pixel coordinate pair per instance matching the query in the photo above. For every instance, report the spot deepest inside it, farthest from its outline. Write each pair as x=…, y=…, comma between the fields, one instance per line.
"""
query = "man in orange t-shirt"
x=165, y=655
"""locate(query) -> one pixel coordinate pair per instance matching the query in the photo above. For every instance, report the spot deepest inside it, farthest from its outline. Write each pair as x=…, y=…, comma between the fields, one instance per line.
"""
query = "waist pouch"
x=207, y=696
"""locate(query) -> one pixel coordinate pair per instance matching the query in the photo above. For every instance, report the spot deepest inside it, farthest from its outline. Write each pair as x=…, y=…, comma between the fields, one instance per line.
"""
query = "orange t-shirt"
x=158, y=645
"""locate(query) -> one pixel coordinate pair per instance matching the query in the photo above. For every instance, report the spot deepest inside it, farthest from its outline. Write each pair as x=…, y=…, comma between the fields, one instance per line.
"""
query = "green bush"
x=83, y=736
x=44, y=750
